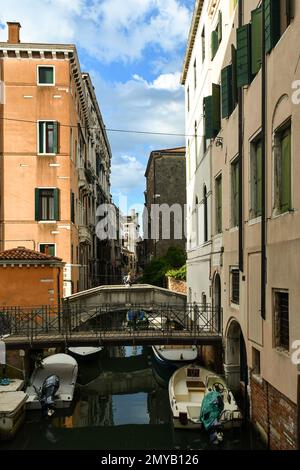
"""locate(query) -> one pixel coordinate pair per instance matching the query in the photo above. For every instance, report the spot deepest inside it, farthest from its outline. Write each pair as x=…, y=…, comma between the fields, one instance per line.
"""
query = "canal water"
x=121, y=402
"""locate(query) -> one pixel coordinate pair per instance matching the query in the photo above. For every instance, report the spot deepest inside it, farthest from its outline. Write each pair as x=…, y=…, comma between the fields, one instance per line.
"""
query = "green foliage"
x=179, y=274
x=155, y=271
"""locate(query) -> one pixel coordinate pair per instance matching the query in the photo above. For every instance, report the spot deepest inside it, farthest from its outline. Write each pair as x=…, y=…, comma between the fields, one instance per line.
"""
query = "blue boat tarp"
x=211, y=409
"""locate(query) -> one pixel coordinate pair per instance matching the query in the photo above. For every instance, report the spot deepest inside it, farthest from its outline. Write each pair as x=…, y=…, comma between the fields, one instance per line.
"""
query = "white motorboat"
x=12, y=413
x=174, y=355
x=85, y=350
x=64, y=367
x=188, y=387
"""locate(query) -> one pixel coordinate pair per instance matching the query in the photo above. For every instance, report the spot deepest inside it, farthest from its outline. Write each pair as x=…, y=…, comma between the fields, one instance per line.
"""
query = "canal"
x=121, y=402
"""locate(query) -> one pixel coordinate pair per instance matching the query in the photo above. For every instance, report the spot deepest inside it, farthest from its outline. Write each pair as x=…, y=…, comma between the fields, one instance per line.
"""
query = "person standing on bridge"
x=128, y=279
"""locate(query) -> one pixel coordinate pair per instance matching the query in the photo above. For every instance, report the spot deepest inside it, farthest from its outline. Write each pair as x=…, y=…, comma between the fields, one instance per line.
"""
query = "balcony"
x=84, y=234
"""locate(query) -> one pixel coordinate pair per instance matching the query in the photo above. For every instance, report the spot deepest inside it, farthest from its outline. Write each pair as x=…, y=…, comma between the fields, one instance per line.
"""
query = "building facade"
x=165, y=201
x=52, y=146
x=251, y=118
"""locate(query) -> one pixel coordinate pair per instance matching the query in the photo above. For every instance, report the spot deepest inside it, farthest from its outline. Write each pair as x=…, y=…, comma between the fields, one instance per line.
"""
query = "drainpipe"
x=241, y=158
x=263, y=170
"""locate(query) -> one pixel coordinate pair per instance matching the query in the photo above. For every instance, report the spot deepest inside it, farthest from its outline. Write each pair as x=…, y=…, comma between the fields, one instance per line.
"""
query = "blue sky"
x=134, y=51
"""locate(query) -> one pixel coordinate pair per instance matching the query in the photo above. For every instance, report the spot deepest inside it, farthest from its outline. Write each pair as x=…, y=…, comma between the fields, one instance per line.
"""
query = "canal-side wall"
x=176, y=285
x=274, y=415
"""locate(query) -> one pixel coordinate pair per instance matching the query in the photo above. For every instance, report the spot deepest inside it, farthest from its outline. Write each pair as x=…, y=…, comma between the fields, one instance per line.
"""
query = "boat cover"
x=211, y=409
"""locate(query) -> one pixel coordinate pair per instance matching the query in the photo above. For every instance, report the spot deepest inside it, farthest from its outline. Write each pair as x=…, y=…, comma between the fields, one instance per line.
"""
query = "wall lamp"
x=219, y=142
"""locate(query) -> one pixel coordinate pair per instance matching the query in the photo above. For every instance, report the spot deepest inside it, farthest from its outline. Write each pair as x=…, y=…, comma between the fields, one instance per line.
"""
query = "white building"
x=208, y=38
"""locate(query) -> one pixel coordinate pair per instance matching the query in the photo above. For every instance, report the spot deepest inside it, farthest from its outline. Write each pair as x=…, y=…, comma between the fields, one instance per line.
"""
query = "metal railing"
x=100, y=320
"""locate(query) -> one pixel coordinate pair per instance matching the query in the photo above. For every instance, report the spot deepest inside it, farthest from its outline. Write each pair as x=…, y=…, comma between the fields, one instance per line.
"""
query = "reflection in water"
x=122, y=403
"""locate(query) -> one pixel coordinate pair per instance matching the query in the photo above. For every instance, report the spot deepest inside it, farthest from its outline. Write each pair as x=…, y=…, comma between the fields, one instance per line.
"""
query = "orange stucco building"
x=49, y=173
x=29, y=278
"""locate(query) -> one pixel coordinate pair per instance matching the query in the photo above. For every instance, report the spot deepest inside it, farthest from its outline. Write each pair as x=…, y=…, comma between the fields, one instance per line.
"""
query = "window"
x=188, y=98
x=46, y=75
x=205, y=214
x=235, y=193
x=255, y=178
x=48, y=248
x=281, y=320
x=48, y=137
x=235, y=286
x=212, y=112
x=216, y=37
x=72, y=207
x=256, y=361
x=203, y=44
x=195, y=74
x=282, y=170
x=278, y=16
x=196, y=142
x=218, y=187
x=46, y=204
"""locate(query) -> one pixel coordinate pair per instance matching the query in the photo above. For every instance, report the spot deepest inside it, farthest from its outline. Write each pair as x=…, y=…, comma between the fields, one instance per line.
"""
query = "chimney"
x=13, y=32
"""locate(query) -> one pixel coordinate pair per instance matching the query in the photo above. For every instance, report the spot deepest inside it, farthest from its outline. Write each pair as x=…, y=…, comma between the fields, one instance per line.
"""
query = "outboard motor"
x=47, y=394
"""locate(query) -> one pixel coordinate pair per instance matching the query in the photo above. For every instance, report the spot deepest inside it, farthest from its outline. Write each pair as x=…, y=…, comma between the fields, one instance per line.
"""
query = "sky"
x=134, y=51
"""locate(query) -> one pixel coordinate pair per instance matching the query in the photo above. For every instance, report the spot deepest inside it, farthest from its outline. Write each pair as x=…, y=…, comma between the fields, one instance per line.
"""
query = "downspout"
x=241, y=158
x=263, y=169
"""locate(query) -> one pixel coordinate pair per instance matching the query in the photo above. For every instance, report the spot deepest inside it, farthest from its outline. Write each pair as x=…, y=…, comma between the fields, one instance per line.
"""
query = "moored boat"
x=85, y=351
x=174, y=355
x=12, y=413
x=62, y=366
x=192, y=385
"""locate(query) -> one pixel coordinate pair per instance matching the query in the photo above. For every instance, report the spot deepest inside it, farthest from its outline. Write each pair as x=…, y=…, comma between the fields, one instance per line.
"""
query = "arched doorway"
x=217, y=302
x=236, y=368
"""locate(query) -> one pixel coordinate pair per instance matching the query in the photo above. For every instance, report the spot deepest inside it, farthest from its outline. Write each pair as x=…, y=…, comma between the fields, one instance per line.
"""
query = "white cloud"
x=107, y=29
x=127, y=173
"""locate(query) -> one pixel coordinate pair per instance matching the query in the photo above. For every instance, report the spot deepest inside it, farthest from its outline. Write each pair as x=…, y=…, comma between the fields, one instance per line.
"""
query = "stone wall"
x=274, y=415
x=176, y=285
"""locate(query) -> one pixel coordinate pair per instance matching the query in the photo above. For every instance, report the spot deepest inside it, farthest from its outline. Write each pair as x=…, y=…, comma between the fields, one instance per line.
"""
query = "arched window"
x=205, y=214
x=197, y=220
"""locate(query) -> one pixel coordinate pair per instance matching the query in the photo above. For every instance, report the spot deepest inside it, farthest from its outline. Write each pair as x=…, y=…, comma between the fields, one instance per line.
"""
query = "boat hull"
x=12, y=413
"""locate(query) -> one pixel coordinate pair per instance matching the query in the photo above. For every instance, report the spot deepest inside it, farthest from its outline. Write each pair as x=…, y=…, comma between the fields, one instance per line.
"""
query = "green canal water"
x=121, y=402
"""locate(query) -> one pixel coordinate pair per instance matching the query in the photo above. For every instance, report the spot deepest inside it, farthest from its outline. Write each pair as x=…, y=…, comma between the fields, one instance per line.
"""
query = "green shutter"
x=214, y=44
x=41, y=136
x=37, y=203
x=216, y=105
x=234, y=77
x=243, y=56
x=219, y=205
x=209, y=134
x=56, y=204
x=256, y=40
x=55, y=137
x=272, y=23
x=258, y=158
x=285, y=189
x=220, y=27
x=235, y=193
x=226, y=87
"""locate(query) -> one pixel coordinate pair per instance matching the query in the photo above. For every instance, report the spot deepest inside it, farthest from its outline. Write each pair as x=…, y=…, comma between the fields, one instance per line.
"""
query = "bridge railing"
x=67, y=320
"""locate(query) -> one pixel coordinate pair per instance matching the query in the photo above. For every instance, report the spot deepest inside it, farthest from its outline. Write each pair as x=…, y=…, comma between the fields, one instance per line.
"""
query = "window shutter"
x=220, y=28
x=256, y=40
x=243, y=56
x=216, y=105
x=234, y=77
x=226, y=80
x=55, y=136
x=208, y=117
x=37, y=204
x=214, y=43
x=41, y=128
x=286, y=171
x=272, y=23
x=56, y=204
x=258, y=178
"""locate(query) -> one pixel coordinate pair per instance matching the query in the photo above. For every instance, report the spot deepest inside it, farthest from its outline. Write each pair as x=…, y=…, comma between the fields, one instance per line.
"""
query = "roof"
x=179, y=151
x=24, y=254
x=191, y=39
